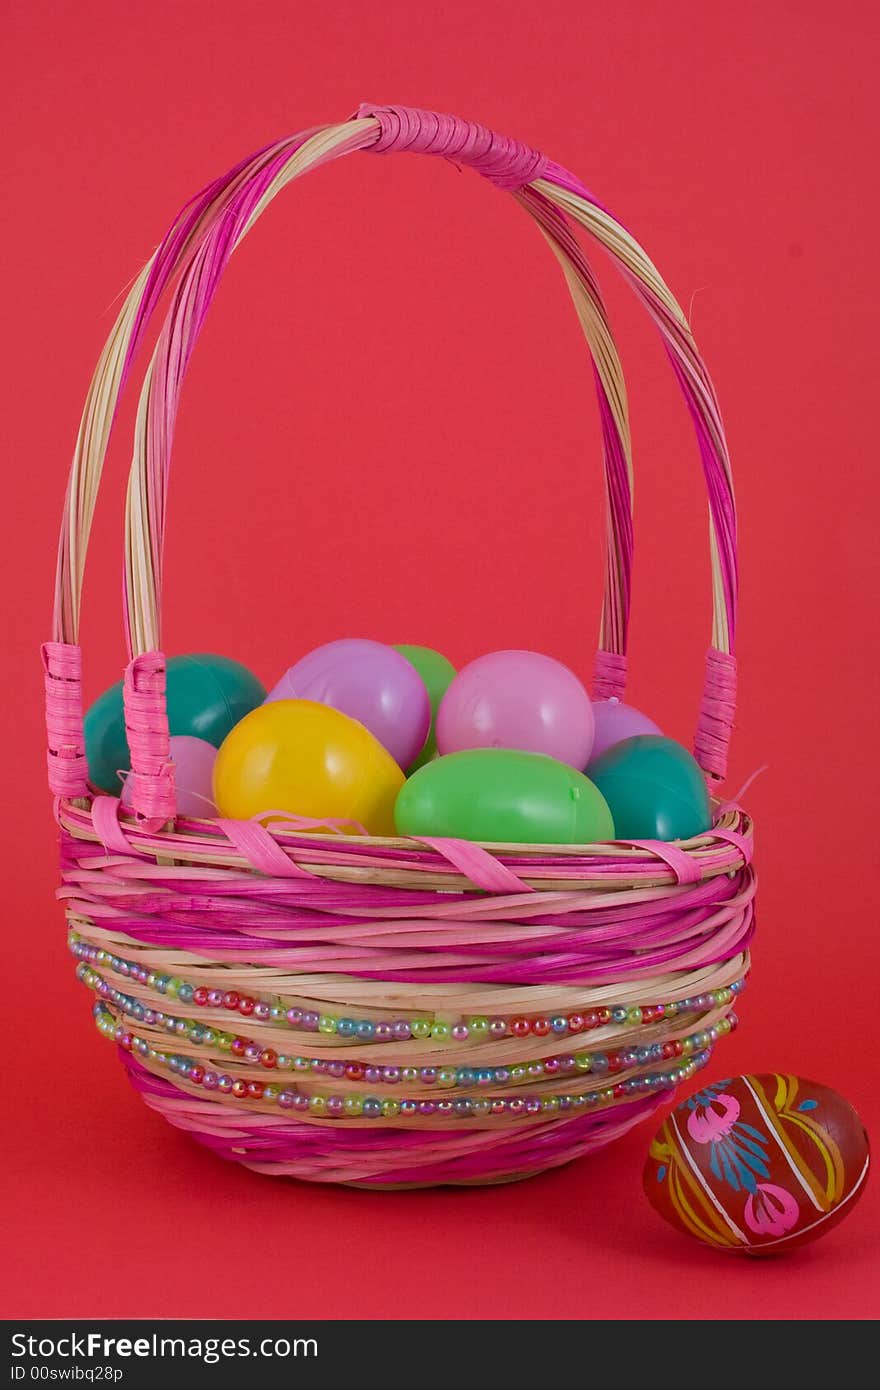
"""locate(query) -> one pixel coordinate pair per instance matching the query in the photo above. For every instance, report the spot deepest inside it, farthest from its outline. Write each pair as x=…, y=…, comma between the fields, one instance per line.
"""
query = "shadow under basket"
x=389, y=1012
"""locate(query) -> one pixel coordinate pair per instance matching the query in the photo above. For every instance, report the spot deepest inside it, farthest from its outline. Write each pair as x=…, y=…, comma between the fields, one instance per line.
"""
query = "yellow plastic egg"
x=308, y=760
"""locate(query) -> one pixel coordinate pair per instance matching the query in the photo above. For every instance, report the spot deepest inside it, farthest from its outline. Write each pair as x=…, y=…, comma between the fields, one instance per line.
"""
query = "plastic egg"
x=438, y=674
x=655, y=788
x=309, y=760
x=758, y=1164
x=369, y=682
x=206, y=696
x=193, y=760
x=614, y=722
x=503, y=797
x=522, y=700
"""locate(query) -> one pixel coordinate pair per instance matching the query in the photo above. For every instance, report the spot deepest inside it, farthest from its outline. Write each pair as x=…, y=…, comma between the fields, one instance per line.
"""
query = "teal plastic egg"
x=207, y=696
x=655, y=789
x=503, y=796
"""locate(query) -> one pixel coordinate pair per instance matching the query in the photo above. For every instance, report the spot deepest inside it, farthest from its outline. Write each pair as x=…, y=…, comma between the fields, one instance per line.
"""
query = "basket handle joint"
x=151, y=779
x=509, y=164
x=717, y=713
x=66, y=752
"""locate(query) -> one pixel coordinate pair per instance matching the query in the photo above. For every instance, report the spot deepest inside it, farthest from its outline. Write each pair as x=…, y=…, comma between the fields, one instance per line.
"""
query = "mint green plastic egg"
x=502, y=796
x=438, y=673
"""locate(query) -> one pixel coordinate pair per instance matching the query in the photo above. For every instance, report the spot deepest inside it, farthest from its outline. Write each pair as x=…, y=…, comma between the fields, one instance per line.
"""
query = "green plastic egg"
x=503, y=796
x=207, y=696
x=438, y=673
x=655, y=789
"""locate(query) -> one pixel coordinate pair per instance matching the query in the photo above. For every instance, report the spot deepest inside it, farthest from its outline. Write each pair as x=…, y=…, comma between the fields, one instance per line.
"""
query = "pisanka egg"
x=758, y=1164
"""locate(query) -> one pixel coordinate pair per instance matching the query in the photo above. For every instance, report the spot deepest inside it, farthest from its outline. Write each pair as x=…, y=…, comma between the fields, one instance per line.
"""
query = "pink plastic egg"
x=193, y=760
x=516, y=699
x=614, y=722
x=369, y=682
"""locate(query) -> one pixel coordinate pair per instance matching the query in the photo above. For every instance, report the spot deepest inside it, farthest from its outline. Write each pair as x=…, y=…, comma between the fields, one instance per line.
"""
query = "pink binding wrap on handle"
x=507, y=163
x=66, y=755
x=151, y=778
x=196, y=251
x=609, y=676
x=716, y=714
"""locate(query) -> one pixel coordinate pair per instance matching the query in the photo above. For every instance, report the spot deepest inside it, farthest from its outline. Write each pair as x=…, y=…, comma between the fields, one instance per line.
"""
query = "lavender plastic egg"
x=193, y=760
x=369, y=682
x=614, y=722
x=517, y=699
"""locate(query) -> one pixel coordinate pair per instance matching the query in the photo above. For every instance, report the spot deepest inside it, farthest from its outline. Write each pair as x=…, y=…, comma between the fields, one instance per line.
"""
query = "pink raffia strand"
x=507, y=163
x=66, y=755
x=151, y=778
x=717, y=714
x=257, y=845
x=477, y=864
x=609, y=676
x=105, y=819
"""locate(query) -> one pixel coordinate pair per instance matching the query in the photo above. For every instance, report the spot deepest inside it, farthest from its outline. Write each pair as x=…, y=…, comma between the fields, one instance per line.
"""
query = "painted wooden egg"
x=758, y=1164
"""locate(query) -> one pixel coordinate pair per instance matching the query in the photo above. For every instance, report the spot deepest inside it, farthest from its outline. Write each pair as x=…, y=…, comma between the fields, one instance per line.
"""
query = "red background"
x=389, y=431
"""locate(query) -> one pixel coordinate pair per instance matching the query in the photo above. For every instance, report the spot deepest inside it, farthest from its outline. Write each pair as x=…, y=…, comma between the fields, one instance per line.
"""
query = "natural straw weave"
x=615, y=966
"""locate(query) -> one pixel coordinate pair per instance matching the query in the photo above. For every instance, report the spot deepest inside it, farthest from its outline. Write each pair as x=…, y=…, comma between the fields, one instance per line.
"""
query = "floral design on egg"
x=739, y=1151
x=714, y=1120
x=770, y=1210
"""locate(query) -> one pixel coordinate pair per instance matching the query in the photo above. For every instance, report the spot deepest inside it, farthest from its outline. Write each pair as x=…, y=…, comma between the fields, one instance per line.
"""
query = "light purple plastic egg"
x=614, y=722
x=369, y=682
x=193, y=760
x=516, y=699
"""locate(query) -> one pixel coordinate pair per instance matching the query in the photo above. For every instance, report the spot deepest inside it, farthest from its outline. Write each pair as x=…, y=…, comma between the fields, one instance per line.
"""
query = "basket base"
x=385, y=1157
x=501, y=1181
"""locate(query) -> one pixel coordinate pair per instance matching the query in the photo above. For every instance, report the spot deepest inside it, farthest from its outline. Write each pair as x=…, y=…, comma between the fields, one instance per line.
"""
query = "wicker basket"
x=389, y=1012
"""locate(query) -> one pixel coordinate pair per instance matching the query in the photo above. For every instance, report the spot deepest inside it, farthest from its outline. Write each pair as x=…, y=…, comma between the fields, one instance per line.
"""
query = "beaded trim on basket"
x=355, y=1106
x=473, y=1029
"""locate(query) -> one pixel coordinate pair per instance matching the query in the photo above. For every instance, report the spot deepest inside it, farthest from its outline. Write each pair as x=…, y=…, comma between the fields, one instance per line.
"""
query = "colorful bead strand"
x=443, y=1078
x=352, y=1107
x=472, y=1029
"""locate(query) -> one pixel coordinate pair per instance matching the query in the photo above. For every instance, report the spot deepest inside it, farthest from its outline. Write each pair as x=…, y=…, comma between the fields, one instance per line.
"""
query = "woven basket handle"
x=201, y=240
